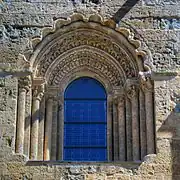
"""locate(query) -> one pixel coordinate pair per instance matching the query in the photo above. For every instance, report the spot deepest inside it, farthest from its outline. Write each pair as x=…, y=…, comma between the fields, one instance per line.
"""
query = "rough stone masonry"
x=137, y=44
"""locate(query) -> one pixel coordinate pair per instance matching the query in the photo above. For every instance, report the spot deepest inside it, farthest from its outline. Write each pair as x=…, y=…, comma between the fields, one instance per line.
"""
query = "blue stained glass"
x=85, y=154
x=85, y=121
x=85, y=135
x=85, y=88
x=85, y=110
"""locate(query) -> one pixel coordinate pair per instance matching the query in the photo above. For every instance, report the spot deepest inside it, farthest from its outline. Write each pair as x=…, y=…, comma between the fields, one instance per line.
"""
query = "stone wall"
x=156, y=23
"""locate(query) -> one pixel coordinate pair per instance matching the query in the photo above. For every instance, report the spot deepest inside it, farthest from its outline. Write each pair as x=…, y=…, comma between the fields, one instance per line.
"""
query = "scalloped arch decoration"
x=93, y=35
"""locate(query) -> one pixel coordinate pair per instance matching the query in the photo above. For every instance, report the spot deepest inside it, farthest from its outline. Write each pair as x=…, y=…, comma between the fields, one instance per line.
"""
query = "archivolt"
x=84, y=57
x=118, y=58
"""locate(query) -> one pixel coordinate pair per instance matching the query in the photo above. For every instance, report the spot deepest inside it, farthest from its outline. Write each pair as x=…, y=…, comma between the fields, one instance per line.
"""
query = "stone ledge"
x=160, y=76
x=63, y=163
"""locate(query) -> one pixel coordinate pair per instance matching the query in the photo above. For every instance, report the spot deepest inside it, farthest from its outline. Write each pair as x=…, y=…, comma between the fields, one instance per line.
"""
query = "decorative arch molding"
x=93, y=32
x=82, y=38
x=92, y=47
x=89, y=58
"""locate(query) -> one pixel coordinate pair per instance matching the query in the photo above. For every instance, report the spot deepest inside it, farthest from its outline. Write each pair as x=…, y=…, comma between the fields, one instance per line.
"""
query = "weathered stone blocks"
x=156, y=23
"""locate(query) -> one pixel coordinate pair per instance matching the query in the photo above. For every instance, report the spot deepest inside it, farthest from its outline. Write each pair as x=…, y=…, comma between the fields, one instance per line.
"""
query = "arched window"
x=85, y=121
x=80, y=121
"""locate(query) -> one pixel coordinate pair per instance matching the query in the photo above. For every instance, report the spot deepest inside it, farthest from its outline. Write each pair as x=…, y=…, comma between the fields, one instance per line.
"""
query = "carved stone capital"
x=38, y=88
x=147, y=85
x=115, y=100
x=38, y=92
x=118, y=99
x=52, y=93
x=110, y=98
x=50, y=97
x=24, y=83
x=121, y=100
x=131, y=91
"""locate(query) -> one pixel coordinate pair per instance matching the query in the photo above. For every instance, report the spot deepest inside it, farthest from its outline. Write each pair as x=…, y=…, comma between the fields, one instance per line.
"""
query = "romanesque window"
x=85, y=121
x=88, y=98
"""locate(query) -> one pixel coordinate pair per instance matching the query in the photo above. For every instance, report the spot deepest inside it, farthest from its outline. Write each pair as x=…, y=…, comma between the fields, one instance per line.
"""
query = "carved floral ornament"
x=91, y=43
x=24, y=83
x=89, y=60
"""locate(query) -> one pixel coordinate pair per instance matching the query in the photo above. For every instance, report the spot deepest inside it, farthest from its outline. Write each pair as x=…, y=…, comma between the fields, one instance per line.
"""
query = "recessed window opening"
x=85, y=121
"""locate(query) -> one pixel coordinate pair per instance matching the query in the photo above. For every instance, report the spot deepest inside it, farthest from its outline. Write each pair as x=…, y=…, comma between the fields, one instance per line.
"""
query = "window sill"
x=77, y=163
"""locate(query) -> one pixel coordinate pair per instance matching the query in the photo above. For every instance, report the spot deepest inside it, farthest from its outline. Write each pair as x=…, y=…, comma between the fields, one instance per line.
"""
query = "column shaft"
x=20, y=120
x=109, y=130
x=128, y=130
x=34, y=128
x=48, y=130
x=149, y=122
x=27, y=132
x=135, y=128
x=142, y=115
x=115, y=132
x=54, y=131
x=41, y=130
x=60, y=133
x=121, y=127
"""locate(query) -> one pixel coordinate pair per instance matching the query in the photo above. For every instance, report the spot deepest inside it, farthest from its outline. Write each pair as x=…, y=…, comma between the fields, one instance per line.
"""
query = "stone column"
x=149, y=104
x=135, y=123
x=41, y=130
x=60, y=131
x=27, y=129
x=20, y=120
x=121, y=128
x=54, y=131
x=115, y=130
x=128, y=130
x=109, y=128
x=48, y=129
x=24, y=86
x=142, y=116
x=37, y=95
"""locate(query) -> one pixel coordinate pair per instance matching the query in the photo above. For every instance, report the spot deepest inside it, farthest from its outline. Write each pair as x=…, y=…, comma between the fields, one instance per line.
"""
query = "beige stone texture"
x=36, y=44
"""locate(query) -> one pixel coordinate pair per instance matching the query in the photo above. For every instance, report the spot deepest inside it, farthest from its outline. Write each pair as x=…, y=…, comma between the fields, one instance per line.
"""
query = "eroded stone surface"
x=155, y=23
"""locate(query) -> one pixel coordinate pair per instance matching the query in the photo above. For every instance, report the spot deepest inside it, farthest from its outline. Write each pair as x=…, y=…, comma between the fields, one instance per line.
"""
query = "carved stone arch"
x=93, y=32
x=87, y=38
x=93, y=47
x=87, y=51
x=86, y=57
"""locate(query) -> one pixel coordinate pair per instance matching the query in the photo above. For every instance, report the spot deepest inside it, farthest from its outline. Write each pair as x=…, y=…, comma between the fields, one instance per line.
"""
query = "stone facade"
x=131, y=47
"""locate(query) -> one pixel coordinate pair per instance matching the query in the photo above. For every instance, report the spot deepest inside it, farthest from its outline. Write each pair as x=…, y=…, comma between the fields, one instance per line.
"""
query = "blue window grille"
x=85, y=121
